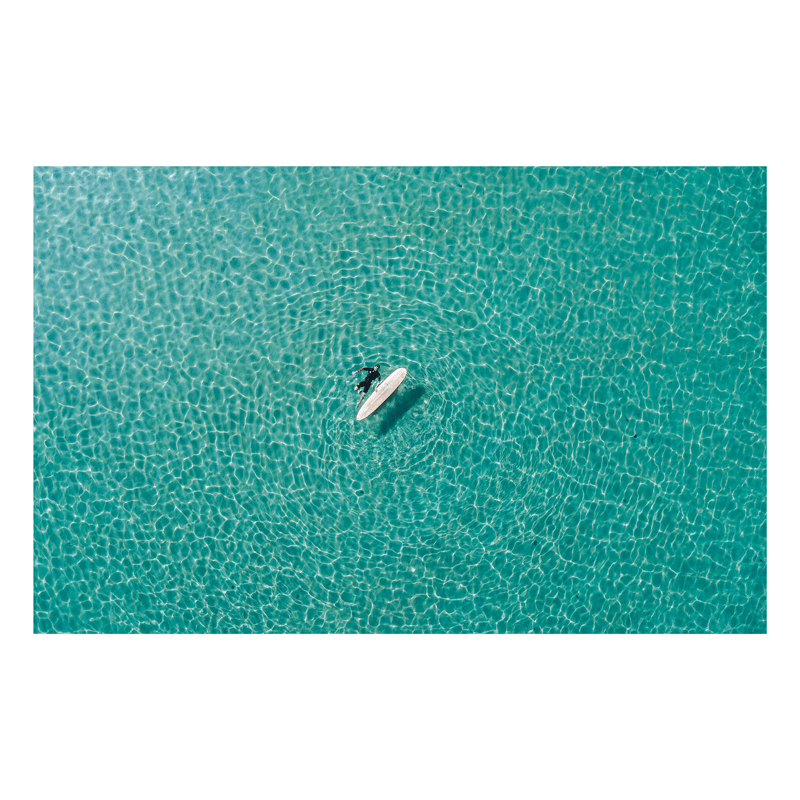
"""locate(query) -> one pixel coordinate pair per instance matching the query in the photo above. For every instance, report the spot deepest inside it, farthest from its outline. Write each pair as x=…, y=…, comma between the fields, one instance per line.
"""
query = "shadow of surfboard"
x=396, y=407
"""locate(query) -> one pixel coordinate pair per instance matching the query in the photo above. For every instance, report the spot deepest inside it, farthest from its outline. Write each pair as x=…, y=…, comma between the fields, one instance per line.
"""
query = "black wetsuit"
x=373, y=375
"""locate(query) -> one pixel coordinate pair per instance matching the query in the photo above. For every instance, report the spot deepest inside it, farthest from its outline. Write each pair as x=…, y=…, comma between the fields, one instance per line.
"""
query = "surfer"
x=372, y=375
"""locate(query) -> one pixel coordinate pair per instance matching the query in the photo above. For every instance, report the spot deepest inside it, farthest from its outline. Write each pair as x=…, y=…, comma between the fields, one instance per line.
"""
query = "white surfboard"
x=382, y=393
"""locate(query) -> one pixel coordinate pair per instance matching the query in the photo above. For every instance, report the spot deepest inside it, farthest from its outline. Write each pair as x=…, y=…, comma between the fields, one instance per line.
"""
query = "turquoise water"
x=580, y=444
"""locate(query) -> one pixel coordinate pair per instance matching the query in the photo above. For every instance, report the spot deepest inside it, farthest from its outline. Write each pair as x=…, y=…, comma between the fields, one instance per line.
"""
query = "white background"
x=685, y=83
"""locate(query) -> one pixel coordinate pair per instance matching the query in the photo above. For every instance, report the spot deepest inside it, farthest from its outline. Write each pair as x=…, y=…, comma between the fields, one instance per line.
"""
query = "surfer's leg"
x=363, y=398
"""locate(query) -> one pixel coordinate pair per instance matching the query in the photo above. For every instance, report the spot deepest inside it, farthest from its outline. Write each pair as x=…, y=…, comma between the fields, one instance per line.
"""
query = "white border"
x=399, y=716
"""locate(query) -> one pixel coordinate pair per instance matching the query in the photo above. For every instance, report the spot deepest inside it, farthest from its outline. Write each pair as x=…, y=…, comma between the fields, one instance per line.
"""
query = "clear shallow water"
x=580, y=445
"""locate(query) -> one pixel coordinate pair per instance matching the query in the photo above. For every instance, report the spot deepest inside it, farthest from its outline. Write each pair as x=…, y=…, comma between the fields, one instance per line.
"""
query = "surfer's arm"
x=359, y=370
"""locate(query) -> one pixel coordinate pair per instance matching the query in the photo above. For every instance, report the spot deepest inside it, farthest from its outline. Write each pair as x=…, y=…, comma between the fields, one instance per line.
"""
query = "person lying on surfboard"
x=372, y=375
